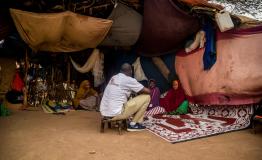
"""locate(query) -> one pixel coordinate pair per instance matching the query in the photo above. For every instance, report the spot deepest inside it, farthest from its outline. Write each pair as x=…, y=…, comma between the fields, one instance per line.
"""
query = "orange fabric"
x=60, y=32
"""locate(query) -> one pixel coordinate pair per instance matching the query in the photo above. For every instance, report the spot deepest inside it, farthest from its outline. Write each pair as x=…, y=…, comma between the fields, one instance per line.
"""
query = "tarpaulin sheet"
x=60, y=32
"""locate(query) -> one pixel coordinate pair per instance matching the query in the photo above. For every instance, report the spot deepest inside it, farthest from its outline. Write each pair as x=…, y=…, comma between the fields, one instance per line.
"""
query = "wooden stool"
x=108, y=120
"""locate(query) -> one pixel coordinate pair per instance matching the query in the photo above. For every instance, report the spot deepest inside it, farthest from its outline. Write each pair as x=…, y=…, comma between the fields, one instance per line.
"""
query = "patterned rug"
x=204, y=121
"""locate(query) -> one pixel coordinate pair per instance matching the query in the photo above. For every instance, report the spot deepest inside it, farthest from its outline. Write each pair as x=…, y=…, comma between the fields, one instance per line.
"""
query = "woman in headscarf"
x=175, y=100
x=154, y=94
x=86, y=97
x=153, y=107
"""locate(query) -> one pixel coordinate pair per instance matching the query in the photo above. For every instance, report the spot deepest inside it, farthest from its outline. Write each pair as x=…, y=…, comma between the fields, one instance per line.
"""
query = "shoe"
x=136, y=127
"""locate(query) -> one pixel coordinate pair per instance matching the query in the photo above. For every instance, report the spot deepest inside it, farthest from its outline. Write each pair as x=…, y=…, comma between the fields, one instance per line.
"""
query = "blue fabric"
x=209, y=57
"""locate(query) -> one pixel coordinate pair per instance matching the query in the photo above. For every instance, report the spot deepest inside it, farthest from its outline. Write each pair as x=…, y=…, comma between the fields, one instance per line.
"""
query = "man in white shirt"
x=115, y=102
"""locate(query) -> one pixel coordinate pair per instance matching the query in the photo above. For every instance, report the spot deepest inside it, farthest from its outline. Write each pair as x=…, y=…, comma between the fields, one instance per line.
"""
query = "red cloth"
x=173, y=99
x=18, y=83
x=258, y=117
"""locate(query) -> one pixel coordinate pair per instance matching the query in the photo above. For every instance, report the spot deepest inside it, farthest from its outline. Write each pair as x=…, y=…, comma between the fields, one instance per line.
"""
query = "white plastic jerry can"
x=224, y=21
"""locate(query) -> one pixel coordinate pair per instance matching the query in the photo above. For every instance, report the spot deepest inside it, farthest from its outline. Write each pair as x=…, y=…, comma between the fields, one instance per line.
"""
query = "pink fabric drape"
x=235, y=78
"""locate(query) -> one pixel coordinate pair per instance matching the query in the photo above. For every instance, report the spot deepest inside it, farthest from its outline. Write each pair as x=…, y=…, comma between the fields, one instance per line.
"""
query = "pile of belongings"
x=56, y=107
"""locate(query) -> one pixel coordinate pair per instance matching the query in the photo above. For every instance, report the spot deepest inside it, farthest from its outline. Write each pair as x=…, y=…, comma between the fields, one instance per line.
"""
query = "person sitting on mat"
x=175, y=100
x=154, y=107
x=154, y=94
x=86, y=97
x=115, y=103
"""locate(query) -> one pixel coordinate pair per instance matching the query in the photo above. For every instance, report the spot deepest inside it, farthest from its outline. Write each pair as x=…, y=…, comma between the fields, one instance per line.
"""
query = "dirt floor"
x=35, y=135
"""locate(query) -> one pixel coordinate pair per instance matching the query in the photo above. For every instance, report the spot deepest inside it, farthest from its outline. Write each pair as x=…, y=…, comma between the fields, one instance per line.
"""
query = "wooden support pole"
x=161, y=66
x=25, y=90
x=68, y=70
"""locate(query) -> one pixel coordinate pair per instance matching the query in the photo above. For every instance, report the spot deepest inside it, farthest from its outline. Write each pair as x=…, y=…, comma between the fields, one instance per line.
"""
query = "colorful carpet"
x=202, y=122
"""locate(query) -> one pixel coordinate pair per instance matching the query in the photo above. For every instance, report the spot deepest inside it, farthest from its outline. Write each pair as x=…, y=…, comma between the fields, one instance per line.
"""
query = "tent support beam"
x=25, y=90
x=161, y=66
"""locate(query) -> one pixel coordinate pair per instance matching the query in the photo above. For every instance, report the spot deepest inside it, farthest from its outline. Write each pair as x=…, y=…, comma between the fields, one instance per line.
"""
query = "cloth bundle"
x=98, y=70
x=138, y=71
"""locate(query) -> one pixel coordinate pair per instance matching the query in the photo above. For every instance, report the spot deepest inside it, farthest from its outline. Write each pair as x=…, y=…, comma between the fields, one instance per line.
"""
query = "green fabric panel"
x=182, y=109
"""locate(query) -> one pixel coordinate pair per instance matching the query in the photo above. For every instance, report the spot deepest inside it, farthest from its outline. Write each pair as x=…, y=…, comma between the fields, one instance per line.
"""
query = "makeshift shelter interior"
x=215, y=54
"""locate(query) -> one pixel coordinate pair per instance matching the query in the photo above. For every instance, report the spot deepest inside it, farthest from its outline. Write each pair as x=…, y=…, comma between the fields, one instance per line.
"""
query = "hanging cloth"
x=60, y=32
x=98, y=70
x=90, y=63
x=209, y=57
x=138, y=71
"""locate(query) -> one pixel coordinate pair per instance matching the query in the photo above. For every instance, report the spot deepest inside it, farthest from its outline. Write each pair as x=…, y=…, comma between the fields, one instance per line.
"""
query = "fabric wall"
x=235, y=78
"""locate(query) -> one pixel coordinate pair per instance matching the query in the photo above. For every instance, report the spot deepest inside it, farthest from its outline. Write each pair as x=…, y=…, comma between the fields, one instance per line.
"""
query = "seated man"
x=115, y=102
